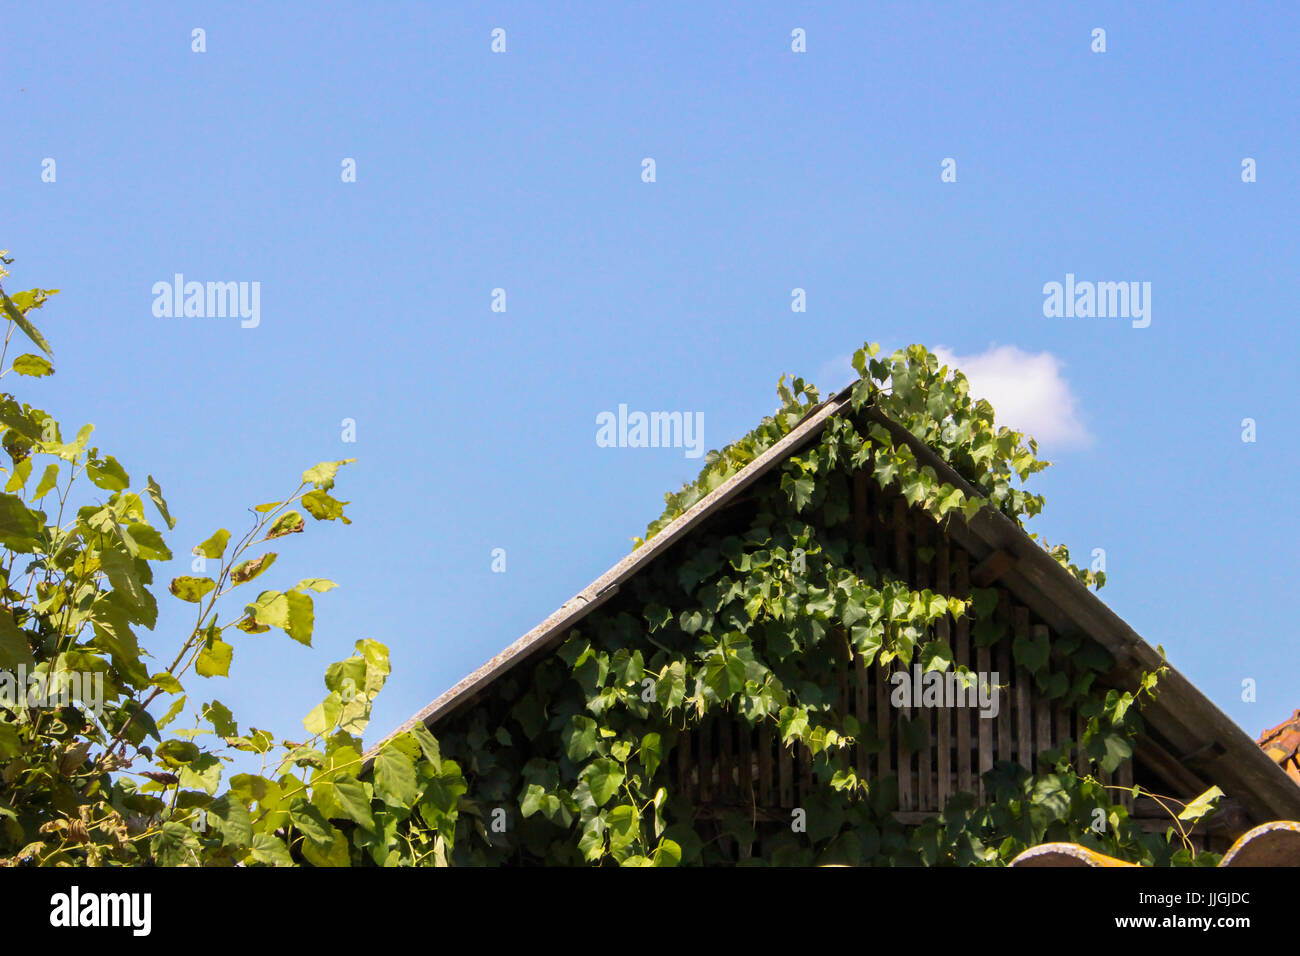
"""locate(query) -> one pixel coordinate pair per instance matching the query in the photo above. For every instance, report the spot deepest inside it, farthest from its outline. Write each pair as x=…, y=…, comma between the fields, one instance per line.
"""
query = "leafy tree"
x=94, y=767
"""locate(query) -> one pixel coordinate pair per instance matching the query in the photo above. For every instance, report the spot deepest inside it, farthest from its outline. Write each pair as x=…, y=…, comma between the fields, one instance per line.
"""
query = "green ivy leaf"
x=651, y=753
x=604, y=777
x=1031, y=653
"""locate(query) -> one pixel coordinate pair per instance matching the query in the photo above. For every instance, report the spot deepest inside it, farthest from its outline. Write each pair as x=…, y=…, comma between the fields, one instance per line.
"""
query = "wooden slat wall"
x=906, y=763
x=962, y=715
x=925, y=790
x=726, y=787
x=727, y=763
x=785, y=773
x=1006, y=714
x=766, y=748
x=1024, y=712
x=704, y=762
x=943, y=716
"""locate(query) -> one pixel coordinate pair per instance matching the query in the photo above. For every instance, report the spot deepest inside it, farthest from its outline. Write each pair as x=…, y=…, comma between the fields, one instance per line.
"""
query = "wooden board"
x=943, y=716
x=925, y=796
x=1024, y=717
x=766, y=746
x=906, y=793
x=961, y=715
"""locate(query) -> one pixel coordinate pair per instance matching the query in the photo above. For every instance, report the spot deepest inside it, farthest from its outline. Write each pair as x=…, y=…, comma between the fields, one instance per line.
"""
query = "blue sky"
x=775, y=170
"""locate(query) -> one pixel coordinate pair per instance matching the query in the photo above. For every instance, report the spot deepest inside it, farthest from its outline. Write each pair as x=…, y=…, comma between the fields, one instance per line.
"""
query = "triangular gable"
x=1194, y=733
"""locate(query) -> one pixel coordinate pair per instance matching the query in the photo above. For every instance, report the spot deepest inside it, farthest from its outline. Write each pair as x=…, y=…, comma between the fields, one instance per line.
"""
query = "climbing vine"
x=568, y=761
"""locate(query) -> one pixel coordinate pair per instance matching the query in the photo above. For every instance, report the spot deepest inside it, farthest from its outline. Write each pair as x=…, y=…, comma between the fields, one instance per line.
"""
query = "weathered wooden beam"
x=997, y=563
x=1155, y=756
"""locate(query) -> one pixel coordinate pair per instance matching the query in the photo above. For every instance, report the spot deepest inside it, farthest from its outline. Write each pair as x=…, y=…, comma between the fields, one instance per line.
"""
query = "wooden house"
x=728, y=766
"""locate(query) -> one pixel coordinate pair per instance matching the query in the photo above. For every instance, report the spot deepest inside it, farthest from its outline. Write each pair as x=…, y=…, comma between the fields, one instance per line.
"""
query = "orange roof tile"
x=1282, y=744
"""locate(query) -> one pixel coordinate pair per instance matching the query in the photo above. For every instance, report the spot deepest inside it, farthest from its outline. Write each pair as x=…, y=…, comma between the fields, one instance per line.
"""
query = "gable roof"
x=1200, y=735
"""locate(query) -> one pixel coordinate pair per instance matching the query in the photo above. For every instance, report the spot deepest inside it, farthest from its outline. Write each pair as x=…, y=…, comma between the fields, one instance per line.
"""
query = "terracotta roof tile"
x=1282, y=744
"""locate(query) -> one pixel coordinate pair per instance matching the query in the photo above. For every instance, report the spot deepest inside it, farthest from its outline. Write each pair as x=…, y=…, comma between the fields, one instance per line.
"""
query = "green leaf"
x=167, y=682
x=177, y=705
x=324, y=716
x=322, y=475
x=623, y=825
x=604, y=776
x=22, y=471
x=271, y=850
x=49, y=480
x=191, y=589
x=1031, y=653
x=18, y=525
x=177, y=753
x=793, y=723
x=222, y=720
x=799, y=490
x=350, y=795
x=11, y=743
x=155, y=495
x=395, y=777
x=581, y=738
x=175, y=844
x=291, y=612
x=667, y=853
x=248, y=570
x=204, y=772
x=313, y=825
x=107, y=473
x=23, y=323
x=252, y=788
x=149, y=542
x=428, y=744
x=1109, y=750
x=14, y=649
x=936, y=655
x=290, y=522
x=231, y=819
x=214, y=659
x=319, y=585
x=301, y=617
x=324, y=508
x=215, y=546
x=651, y=753
x=1202, y=805
x=33, y=366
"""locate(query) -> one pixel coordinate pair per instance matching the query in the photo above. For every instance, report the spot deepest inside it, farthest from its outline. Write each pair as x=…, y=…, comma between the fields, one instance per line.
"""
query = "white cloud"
x=1027, y=392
